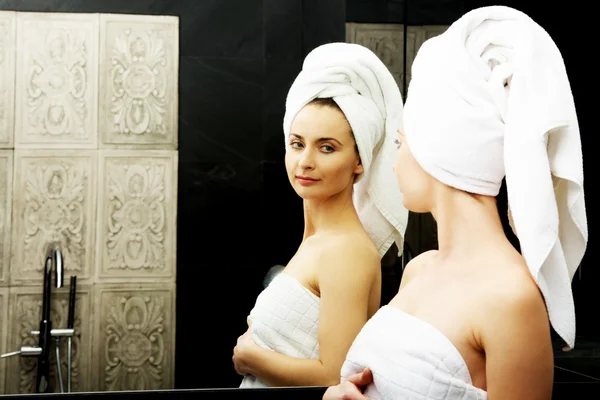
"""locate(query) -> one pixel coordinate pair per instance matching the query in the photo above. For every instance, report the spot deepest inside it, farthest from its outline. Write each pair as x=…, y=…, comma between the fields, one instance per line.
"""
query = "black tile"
x=583, y=348
x=584, y=366
x=211, y=315
x=279, y=76
x=220, y=28
x=283, y=29
x=220, y=104
x=425, y=12
x=586, y=296
x=208, y=28
x=576, y=390
x=219, y=214
x=151, y=7
x=562, y=375
x=322, y=22
x=283, y=215
x=421, y=12
x=366, y=11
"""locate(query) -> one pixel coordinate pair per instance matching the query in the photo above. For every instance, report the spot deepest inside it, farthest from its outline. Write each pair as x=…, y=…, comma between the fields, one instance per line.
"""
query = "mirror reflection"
x=164, y=211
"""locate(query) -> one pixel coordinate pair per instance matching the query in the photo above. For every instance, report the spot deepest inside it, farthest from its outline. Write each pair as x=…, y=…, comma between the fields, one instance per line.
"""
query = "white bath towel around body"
x=409, y=359
x=285, y=319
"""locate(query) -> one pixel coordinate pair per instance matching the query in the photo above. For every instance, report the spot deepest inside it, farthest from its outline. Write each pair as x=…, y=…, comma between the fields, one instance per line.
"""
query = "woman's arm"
x=346, y=272
x=276, y=369
x=518, y=346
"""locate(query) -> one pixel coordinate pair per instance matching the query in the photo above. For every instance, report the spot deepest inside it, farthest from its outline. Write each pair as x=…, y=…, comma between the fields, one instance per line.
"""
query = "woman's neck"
x=469, y=227
x=330, y=214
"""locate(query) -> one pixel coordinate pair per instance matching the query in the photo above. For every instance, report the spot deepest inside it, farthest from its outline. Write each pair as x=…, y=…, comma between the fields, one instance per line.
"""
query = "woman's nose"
x=307, y=159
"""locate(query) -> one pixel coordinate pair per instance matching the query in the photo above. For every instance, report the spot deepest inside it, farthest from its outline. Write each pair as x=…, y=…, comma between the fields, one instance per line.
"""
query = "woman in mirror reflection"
x=489, y=100
x=342, y=113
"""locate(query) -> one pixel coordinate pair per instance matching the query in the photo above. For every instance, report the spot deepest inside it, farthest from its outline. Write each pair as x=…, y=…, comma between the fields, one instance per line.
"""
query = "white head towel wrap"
x=362, y=86
x=490, y=98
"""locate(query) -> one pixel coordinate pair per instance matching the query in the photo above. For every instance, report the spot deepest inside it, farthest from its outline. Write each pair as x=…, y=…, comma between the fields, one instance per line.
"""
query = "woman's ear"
x=359, y=169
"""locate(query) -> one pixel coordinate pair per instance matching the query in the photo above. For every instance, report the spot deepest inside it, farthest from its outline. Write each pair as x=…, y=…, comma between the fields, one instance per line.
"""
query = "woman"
x=489, y=99
x=339, y=126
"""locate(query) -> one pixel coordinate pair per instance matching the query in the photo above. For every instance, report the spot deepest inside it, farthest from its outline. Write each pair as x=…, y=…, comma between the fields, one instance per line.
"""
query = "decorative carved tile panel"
x=57, y=80
x=7, y=78
x=138, y=82
x=88, y=158
x=426, y=32
x=3, y=337
x=137, y=217
x=6, y=178
x=25, y=314
x=134, y=337
x=387, y=41
x=55, y=200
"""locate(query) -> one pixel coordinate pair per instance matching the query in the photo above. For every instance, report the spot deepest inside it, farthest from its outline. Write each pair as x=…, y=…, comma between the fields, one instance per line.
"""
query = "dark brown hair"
x=330, y=103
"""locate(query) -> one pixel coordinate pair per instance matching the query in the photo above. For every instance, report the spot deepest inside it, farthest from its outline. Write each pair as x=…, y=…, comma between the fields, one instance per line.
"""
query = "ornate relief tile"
x=387, y=41
x=55, y=200
x=134, y=337
x=6, y=179
x=7, y=78
x=350, y=28
x=139, y=59
x=56, y=92
x=425, y=32
x=4, y=332
x=137, y=215
x=25, y=314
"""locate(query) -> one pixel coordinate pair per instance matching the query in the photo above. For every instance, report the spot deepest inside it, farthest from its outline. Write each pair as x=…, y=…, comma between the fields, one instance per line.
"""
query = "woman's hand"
x=352, y=389
x=242, y=350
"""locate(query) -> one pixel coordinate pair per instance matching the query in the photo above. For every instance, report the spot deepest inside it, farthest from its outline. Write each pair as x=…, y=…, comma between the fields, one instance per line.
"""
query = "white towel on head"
x=362, y=86
x=489, y=98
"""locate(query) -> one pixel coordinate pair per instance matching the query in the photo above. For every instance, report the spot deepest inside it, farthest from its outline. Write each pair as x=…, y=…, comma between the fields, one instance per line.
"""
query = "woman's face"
x=320, y=158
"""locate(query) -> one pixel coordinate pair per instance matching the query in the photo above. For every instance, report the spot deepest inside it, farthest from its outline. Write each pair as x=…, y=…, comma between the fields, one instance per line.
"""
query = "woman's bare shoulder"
x=351, y=244
x=510, y=280
x=510, y=293
x=340, y=253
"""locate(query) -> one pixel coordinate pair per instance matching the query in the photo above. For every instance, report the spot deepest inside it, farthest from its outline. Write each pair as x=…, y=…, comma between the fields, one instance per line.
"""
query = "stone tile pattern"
x=56, y=82
x=88, y=129
x=387, y=41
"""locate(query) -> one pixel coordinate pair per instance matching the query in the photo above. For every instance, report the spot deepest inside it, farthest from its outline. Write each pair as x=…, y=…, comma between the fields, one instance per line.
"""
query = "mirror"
x=121, y=165
x=145, y=140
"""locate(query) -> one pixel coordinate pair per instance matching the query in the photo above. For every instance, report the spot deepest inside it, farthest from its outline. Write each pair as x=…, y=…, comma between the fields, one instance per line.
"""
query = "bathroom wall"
x=238, y=216
x=88, y=117
x=414, y=12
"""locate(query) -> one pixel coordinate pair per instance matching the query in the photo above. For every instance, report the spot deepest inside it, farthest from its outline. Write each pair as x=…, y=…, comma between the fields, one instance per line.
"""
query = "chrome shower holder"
x=53, y=262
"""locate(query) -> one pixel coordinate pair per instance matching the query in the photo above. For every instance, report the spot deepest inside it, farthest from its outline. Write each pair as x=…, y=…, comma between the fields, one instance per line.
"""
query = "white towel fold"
x=285, y=319
x=490, y=98
x=362, y=86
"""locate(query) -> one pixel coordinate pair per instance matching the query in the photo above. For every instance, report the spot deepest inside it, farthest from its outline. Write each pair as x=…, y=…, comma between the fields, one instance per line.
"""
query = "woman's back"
x=462, y=301
x=450, y=322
